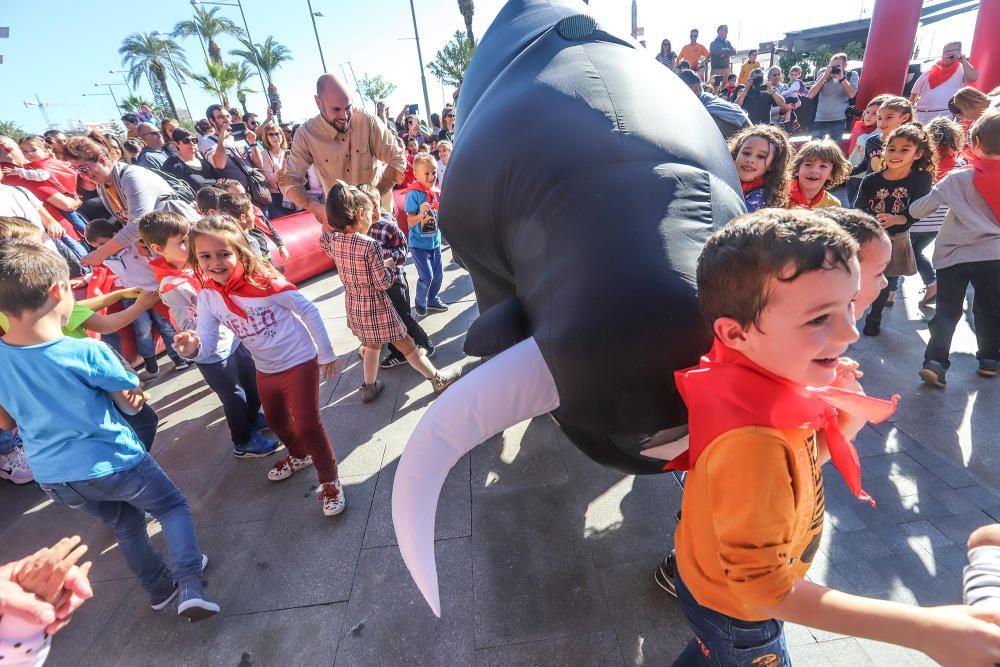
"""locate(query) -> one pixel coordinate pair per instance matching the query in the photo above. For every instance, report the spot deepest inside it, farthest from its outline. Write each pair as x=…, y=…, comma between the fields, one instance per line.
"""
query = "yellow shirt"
x=358, y=156
x=751, y=519
x=745, y=72
x=693, y=53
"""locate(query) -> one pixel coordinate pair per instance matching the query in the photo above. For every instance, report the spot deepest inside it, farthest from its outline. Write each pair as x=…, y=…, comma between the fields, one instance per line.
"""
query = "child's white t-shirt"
x=21, y=203
x=280, y=331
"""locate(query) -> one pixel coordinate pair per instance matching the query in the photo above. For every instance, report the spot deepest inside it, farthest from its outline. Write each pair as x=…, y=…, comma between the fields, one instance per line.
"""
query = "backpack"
x=178, y=185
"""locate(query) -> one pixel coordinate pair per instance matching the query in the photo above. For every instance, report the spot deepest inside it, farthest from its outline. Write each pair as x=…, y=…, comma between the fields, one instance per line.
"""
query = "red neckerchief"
x=179, y=277
x=238, y=285
x=798, y=198
x=946, y=163
x=752, y=185
x=986, y=179
x=940, y=73
x=433, y=192
x=726, y=391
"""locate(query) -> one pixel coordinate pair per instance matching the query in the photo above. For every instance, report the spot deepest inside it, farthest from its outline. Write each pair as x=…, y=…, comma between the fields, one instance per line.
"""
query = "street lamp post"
x=246, y=26
x=117, y=108
x=123, y=72
x=313, y=16
x=177, y=77
x=420, y=60
x=110, y=91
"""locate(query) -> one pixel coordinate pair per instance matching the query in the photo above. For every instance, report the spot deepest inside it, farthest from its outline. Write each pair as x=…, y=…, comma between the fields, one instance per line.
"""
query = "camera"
x=756, y=79
x=836, y=69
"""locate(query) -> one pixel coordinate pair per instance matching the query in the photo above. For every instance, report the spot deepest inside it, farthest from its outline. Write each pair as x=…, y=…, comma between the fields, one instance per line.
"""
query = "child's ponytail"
x=344, y=204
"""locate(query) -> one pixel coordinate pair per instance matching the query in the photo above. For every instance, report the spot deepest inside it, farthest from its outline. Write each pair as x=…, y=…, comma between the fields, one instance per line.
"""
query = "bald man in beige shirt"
x=343, y=143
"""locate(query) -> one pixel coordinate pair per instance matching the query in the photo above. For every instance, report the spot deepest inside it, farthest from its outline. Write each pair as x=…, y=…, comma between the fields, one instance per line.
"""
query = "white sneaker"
x=332, y=504
x=287, y=466
x=14, y=467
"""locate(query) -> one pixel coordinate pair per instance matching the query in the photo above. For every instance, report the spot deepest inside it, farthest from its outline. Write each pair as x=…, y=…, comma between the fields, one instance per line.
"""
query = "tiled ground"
x=544, y=557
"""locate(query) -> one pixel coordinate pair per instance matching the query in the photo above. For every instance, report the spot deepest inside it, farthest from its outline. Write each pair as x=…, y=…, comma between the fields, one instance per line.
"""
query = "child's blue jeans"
x=724, y=641
x=142, y=328
x=120, y=499
x=234, y=381
x=8, y=441
x=429, y=275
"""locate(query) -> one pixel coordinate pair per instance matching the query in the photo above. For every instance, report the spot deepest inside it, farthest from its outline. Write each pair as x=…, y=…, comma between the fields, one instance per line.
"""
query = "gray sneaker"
x=443, y=380
x=195, y=605
x=163, y=597
x=933, y=374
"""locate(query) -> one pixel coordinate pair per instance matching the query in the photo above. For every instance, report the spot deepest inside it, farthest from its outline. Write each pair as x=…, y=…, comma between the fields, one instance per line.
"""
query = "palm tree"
x=11, y=129
x=141, y=53
x=208, y=26
x=269, y=55
x=468, y=8
x=220, y=79
x=244, y=74
x=133, y=102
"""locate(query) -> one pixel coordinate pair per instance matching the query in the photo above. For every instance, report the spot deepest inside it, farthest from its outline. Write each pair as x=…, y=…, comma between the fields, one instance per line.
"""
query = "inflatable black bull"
x=584, y=182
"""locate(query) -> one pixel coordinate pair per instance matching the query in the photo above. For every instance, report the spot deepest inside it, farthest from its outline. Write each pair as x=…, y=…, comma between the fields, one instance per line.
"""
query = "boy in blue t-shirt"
x=89, y=458
x=425, y=236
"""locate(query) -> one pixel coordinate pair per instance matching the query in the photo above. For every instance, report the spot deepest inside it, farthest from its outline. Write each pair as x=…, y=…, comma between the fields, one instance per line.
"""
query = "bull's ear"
x=499, y=328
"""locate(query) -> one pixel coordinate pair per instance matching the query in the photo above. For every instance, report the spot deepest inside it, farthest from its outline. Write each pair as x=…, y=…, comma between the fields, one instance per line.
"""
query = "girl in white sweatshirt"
x=283, y=332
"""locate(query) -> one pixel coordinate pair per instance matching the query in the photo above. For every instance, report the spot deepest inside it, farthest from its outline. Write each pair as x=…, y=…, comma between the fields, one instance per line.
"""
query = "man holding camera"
x=835, y=89
x=935, y=87
x=759, y=98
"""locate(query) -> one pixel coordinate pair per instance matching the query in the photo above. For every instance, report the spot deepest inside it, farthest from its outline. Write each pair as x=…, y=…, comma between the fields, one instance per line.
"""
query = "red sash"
x=433, y=193
x=986, y=179
x=752, y=185
x=726, y=391
x=940, y=73
x=797, y=198
x=178, y=277
x=238, y=285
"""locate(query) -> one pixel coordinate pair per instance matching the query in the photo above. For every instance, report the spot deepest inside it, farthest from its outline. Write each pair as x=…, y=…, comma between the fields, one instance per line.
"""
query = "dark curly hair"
x=776, y=176
x=919, y=137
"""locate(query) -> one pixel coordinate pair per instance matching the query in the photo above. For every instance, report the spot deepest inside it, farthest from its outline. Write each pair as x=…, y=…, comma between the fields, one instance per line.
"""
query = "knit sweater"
x=970, y=233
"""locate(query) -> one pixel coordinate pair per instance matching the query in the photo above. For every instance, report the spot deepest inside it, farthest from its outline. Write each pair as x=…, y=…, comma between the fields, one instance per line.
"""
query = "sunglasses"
x=252, y=124
x=187, y=140
x=82, y=169
x=274, y=134
x=149, y=134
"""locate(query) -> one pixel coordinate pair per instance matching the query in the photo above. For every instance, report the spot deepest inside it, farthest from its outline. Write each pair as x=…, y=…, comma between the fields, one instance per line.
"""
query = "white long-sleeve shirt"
x=182, y=300
x=281, y=331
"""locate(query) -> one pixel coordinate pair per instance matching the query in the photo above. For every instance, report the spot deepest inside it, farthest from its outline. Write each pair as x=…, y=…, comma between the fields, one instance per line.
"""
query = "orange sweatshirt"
x=751, y=519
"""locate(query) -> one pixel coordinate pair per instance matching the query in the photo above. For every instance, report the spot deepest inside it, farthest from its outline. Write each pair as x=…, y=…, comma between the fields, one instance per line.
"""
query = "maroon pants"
x=291, y=405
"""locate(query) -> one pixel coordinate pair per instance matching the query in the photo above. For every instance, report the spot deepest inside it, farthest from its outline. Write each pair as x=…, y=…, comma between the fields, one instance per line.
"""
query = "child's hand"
x=186, y=343
x=148, y=298
x=961, y=636
x=847, y=379
x=131, y=293
x=889, y=220
x=283, y=251
x=327, y=371
x=44, y=572
x=425, y=209
x=77, y=283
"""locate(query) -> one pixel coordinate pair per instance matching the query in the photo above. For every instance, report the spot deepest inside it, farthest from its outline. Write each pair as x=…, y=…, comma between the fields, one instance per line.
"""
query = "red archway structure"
x=890, y=44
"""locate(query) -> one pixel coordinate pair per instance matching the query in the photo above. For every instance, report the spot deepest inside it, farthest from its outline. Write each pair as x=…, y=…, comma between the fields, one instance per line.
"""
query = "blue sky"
x=60, y=48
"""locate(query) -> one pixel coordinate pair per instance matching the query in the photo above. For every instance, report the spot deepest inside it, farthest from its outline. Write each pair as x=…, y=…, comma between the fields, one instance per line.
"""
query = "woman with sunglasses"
x=447, y=132
x=187, y=164
x=128, y=192
x=273, y=153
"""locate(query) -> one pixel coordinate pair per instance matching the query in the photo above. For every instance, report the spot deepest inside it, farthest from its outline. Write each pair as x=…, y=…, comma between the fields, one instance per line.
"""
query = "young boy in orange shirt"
x=778, y=288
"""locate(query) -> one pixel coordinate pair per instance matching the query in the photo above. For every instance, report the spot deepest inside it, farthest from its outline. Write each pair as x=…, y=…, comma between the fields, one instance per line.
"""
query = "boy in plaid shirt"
x=385, y=231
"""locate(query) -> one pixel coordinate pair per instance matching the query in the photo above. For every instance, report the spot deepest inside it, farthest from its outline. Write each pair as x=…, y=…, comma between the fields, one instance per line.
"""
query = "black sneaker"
x=162, y=598
x=392, y=360
x=181, y=364
x=437, y=307
x=871, y=328
x=421, y=311
x=988, y=368
x=152, y=368
x=665, y=574
x=195, y=605
x=933, y=374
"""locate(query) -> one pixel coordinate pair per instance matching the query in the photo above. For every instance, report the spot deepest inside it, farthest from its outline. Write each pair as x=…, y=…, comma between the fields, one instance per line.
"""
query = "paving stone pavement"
x=545, y=558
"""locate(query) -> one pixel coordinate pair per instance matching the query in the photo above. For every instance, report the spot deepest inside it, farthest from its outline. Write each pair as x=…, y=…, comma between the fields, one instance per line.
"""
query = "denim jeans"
x=77, y=220
x=429, y=275
x=724, y=641
x=400, y=297
x=953, y=281
x=835, y=128
x=142, y=327
x=8, y=441
x=120, y=499
x=925, y=268
x=234, y=381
